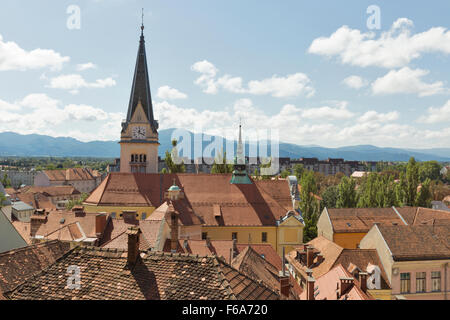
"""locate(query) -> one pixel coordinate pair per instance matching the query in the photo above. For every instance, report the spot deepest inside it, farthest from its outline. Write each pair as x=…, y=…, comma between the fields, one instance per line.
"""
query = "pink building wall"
x=427, y=295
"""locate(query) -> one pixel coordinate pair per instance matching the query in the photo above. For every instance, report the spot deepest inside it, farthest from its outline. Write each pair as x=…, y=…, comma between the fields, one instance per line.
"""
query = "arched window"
x=132, y=158
x=145, y=158
x=140, y=158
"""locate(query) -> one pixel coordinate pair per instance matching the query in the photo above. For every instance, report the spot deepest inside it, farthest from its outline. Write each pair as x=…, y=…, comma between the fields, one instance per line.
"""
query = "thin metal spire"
x=142, y=25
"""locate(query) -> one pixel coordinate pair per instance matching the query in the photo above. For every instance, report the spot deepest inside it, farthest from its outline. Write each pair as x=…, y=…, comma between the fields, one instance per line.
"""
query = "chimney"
x=310, y=288
x=309, y=256
x=320, y=258
x=173, y=231
x=285, y=284
x=363, y=281
x=133, y=244
x=100, y=223
x=345, y=284
x=36, y=221
x=78, y=211
x=129, y=216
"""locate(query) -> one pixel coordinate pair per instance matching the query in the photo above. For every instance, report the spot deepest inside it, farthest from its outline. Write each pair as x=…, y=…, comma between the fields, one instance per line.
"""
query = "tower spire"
x=140, y=90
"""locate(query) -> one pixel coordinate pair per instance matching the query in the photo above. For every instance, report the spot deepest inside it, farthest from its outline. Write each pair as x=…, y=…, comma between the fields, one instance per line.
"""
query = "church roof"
x=206, y=195
x=140, y=90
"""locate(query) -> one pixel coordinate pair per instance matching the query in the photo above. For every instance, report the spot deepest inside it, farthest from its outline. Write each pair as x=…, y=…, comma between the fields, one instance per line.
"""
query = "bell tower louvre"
x=139, y=136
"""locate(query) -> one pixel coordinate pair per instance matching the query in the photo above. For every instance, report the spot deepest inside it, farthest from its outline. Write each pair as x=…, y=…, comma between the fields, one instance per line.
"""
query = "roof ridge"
x=28, y=247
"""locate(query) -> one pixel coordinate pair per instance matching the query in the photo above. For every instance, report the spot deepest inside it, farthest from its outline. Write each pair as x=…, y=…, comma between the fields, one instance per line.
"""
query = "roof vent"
x=349, y=224
x=62, y=221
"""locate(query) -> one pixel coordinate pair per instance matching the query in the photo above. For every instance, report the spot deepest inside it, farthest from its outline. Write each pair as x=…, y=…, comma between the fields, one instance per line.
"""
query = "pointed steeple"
x=140, y=90
x=240, y=175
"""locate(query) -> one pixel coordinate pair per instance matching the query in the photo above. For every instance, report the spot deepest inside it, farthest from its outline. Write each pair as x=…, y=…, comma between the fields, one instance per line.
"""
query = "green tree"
x=2, y=199
x=309, y=205
x=220, y=164
x=71, y=203
x=424, y=196
x=298, y=170
x=346, y=193
x=164, y=171
x=285, y=173
x=170, y=163
x=330, y=196
x=412, y=182
x=429, y=170
x=6, y=181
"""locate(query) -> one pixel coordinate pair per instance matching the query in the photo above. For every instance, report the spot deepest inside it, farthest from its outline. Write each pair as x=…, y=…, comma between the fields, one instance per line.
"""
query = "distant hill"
x=13, y=144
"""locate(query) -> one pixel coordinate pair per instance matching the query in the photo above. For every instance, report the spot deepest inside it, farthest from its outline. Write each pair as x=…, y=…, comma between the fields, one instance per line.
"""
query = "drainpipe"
x=445, y=276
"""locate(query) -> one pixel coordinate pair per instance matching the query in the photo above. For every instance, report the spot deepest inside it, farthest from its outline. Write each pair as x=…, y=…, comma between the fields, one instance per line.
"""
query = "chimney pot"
x=345, y=285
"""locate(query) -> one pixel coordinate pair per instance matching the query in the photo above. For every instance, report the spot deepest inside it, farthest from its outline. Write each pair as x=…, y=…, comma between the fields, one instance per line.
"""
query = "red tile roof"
x=219, y=248
x=418, y=242
x=156, y=276
x=16, y=266
x=72, y=174
x=258, y=204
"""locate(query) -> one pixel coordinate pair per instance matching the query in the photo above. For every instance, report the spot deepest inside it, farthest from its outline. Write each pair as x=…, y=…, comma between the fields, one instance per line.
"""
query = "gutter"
x=398, y=213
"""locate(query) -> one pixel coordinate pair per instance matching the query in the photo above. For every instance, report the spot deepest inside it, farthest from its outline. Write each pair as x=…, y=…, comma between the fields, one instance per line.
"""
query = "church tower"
x=139, y=136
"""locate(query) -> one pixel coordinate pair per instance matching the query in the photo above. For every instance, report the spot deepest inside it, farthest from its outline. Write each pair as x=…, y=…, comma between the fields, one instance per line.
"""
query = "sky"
x=322, y=73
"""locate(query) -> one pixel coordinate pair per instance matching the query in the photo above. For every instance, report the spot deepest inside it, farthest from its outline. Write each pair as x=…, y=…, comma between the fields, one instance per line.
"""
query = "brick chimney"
x=173, y=231
x=309, y=256
x=36, y=221
x=320, y=258
x=100, y=223
x=129, y=216
x=133, y=244
x=363, y=281
x=310, y=282
x=345, y=284
x=285, y=284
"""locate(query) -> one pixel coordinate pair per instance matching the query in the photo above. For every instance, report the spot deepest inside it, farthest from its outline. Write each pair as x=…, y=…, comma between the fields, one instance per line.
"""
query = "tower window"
x=132, y=158
x=234, y=236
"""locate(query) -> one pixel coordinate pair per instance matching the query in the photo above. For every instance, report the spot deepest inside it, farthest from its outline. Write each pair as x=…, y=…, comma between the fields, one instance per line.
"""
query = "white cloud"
x=325, y=113
x=407, y=80
x=86, y=66
x=168, y=93
x=355, y=82
x=394, y=48
x=13, y=57
x=42, y=114
x=74, y=82
x=373, y=116
x=436, y=115
x=280, y=87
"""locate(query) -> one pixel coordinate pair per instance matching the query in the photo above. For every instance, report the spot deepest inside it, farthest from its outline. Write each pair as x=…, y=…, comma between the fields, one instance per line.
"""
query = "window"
x=264, y=237
x=234, y=236
x=436, y=281
x=421, y=281
x=405, y=282
x=204, y=235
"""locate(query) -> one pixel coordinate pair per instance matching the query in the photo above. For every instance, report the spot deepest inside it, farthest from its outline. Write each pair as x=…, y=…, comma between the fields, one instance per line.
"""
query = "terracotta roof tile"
x=418, y=242
x=18, y=265
x=156, y=275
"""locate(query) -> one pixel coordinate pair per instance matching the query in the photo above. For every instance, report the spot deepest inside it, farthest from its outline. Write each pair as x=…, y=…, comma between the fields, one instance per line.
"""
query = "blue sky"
x=311, y=70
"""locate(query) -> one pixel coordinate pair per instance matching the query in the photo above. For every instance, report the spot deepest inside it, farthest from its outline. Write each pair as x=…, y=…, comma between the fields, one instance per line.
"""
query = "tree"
x=2, y=199
x=400, y=190
x=424, y=196
x=412, y=182
x=430, y=170
x=71, y=203
x=298, y=170
x=6, y=181
x=330, y=196
x=220, y=164
x=309, y=205
x=164, y=171
x=170, y=163
x=285, y=173
x=346, y=193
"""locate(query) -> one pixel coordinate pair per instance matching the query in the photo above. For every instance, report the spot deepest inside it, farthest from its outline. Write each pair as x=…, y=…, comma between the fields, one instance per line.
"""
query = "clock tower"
x=139, y=136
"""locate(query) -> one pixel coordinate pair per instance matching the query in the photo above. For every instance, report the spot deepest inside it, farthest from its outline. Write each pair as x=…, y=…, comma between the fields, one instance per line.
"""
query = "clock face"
x=139, y=133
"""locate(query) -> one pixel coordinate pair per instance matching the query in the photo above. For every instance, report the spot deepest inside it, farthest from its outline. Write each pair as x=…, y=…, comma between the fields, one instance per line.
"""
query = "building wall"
x=289, y=235
x=324, y=227
x=348, y=240
x=19, y=177
x=381, y=294
x=413, y=267
x=118, y=210
x=225, y=233
x=129, y=148
x=41, y=180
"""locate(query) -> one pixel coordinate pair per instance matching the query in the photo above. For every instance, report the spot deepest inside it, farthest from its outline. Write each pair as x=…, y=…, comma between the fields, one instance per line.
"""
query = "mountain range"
x=13, y=144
